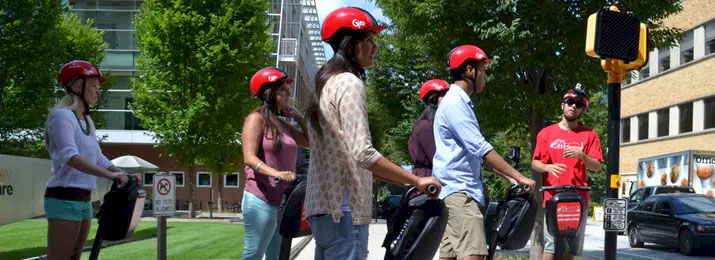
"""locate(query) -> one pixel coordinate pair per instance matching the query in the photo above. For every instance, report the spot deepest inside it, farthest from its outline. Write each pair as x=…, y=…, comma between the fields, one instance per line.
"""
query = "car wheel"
x=685, y=242
x=633, y=237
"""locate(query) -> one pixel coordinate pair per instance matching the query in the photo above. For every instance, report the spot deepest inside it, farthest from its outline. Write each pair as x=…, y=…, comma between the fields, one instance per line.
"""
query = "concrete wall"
x=663, y=90
x=23, y=182
x=22, y=187
x=694, y=13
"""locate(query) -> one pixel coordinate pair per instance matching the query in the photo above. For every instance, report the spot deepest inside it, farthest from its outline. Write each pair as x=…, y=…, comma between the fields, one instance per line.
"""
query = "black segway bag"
x=416, y=229
x=516, y=218
x=292, y=221
x=122, y=208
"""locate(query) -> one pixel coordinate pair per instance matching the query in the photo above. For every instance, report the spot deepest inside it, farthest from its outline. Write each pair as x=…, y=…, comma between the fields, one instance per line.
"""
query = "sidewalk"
x=378, y=231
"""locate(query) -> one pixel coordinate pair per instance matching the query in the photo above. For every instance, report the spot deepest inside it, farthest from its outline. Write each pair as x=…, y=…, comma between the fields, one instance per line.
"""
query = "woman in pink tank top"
x=270, y=147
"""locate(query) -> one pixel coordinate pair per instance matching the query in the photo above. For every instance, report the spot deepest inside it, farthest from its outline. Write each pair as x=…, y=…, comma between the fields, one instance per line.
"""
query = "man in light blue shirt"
x=461, y=153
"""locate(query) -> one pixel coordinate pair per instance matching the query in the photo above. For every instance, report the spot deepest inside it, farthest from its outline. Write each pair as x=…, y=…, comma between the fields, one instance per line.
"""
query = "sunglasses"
x=579, y=104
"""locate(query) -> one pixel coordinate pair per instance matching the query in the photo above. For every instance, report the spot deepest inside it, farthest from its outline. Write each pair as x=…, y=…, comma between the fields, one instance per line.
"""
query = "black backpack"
x=122, y=208
x=515, y=220
x=417, y=228
x=292, y=221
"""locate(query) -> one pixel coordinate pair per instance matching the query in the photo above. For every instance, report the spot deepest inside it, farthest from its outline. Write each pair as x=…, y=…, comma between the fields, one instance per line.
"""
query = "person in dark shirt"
x=421, y=144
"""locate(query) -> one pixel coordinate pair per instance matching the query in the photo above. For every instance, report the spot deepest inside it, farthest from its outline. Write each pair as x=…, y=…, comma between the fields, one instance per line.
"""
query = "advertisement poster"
x=670, y=170
x=703, y=177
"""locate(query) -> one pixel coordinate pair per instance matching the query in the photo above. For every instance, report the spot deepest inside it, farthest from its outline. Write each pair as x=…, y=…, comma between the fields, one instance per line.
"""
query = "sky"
x=326, y=6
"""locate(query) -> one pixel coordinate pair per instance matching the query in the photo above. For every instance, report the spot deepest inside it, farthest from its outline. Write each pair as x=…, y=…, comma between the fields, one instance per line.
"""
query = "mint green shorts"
x=68, y=209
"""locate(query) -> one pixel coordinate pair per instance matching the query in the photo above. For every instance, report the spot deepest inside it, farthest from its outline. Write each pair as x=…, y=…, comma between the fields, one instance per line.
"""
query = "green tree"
x=538, y=48
x=196, y=61
x=36, y=38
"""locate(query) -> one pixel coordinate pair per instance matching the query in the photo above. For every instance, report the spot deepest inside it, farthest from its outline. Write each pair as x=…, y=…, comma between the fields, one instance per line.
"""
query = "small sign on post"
x=615, y=217
x=164, y=204
x=164, y=200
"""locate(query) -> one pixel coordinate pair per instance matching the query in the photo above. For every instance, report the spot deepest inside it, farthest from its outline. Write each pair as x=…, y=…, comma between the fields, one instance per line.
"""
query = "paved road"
x=593, y=247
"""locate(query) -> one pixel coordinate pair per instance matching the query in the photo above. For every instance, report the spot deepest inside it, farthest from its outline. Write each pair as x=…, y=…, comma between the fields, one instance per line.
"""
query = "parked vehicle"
x=643, y=193
x=682, y=220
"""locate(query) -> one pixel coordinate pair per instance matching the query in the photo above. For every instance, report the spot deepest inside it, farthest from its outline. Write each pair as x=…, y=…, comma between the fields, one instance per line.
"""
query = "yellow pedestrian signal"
x=615, y=181
x=611, y=34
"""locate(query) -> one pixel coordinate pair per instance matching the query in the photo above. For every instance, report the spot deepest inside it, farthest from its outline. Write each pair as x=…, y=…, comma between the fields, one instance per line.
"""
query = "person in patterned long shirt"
x=339, y=191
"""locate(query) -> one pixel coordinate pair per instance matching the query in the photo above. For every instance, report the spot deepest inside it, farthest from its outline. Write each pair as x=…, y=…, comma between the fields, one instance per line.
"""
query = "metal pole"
x=211, y=203
x=161, y=238
x=614, y=135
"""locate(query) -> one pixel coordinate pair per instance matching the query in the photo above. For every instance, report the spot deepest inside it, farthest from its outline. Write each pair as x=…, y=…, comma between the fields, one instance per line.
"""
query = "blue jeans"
x=338, y=240
x=260, y=236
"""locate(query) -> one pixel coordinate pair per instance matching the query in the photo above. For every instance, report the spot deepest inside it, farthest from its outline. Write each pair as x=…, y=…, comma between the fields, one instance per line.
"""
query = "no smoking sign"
x=164, y=200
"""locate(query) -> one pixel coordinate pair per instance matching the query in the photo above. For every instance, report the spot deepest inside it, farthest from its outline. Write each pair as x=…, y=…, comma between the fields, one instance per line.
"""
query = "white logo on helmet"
x=89, y=72
x=272, y=78
x=480, y=56
x=438, y=87
x=358, y=23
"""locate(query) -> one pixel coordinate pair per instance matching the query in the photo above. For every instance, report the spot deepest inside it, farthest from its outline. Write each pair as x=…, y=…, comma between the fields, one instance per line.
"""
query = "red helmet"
x=433, y=85
x=78, y=68
x=349, y=17
x=461, y=54
x=577, y=94
x=268, y=76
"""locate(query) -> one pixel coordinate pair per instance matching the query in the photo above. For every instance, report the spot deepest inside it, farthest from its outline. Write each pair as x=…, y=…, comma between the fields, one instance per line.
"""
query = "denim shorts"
x=68, y=209
x=338, y=240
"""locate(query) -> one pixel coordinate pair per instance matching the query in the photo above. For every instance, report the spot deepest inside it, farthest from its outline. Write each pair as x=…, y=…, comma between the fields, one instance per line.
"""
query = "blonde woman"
x=76, y=161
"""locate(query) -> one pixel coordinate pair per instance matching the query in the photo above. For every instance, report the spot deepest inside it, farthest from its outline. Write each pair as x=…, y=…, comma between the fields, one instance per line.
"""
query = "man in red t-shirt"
x=563, y=151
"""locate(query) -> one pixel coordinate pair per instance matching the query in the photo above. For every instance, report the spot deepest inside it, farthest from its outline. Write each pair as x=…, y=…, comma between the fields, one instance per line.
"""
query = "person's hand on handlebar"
x=286, y=176
x=528, y=182
x=423, y=184
x=120, y=177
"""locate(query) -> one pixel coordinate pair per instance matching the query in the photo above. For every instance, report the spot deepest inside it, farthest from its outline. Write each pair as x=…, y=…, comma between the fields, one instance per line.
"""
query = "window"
x=663, y=122
x=626, y=130
x=203, y=179
x=710, y=38
x=663, y=59
x=635, y=198
x=709, y=113
x=648, y=205
x=686, y=48
x=148, y=178
x=686, y=118
x=643, y=126
x=179, y=178
x=231, y=180
x=663, y=208
x=645, y=71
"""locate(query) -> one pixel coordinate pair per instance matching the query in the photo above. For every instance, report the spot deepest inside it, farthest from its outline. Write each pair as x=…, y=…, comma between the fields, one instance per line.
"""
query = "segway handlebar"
x=277, y=179
x=564, y=187
x=432, y=189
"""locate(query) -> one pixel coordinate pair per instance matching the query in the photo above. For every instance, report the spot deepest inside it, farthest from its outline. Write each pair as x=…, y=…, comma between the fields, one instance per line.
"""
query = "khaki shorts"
x=464, y=234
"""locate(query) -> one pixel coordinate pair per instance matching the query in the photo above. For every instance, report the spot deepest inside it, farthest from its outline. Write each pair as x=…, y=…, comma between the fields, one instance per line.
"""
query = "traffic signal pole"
x=615, y=37
x=616, y=75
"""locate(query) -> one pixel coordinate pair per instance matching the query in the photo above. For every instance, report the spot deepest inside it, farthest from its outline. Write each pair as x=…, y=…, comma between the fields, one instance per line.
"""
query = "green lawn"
x=28, y=238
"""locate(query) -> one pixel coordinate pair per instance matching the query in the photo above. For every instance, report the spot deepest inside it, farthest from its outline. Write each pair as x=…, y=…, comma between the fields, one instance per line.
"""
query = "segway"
x=417, y=228
x=119, y=214
x=292, y=222
x=509, y=223
x=565, y=215
x=515, y=217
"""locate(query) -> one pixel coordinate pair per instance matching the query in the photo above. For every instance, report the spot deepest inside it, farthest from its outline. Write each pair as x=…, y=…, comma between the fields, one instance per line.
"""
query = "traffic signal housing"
x=615, y=35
